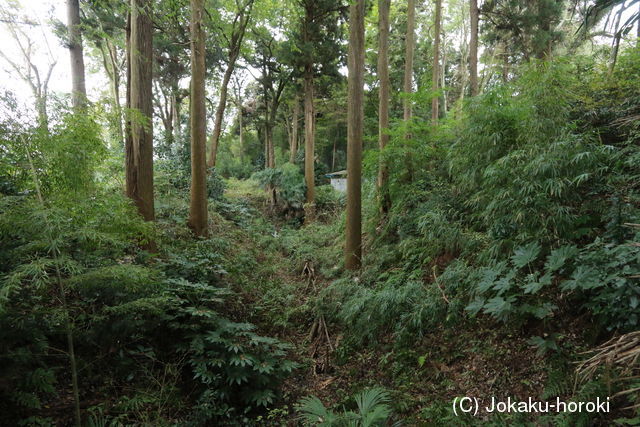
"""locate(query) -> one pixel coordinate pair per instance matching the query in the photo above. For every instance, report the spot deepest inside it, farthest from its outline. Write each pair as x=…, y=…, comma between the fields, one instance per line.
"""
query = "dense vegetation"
x=498, y=208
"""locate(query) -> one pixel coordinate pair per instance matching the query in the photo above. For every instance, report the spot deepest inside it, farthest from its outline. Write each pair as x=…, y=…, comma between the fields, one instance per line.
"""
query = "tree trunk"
x=463, y=73
x=266, y=147
x=333, y=154
x=41, y=108
x=383, y=100
x=287, y=128
x=616, y=43
x=294, y=131
x=271, y=119
x=78, y=88
x=270, y=157
x=243, y=15
x=111, y=68
x=443, y=72
x=175, y=105
x=473, y=47
x=130, y=175
x=222, y=104
x=115, y=93
x=139, y=153
x=309, y=143
x=409, y=52
x=355, y=124
x=505, y=63
x=198, y=209
x=115, y=87
x=436, y=63
x=240, y=122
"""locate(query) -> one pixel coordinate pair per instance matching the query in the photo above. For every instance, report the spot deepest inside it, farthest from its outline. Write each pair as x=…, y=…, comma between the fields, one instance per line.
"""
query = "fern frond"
x=313, y=412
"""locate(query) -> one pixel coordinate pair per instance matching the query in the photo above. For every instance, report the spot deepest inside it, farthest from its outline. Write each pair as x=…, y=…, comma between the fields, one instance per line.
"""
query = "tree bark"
x=473, y=46
x=309, y=144
x=240, y=118
x=270, y=156
x=355, y=125
x=443, y=72
x=294, y=131
x=333, y=154
x=139, y=154
x=463, y=70
x=176, y=106
x=409, y=53
x=198, y=209
x=436, y=63
x=270, y=118
x=78, y=87
x=383, y=100
x=222, y=103
x=288, y=125
x=130, y=175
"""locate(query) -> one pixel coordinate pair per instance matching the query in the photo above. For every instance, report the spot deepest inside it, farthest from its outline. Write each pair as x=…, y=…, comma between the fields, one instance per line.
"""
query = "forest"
x=319, y=213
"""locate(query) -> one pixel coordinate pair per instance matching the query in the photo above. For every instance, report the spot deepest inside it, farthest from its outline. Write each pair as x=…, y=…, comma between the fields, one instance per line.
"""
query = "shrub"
x=600, y=277
x=215, y=185
x=328, y=199
x=288, y=182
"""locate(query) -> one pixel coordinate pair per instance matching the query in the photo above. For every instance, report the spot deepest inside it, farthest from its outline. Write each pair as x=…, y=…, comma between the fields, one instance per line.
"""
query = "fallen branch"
x=620, y=353
x=435, y=280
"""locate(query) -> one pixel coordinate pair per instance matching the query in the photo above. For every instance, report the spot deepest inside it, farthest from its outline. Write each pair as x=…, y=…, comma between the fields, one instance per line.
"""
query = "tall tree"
x=463, y=67
x=317, y=44
x=237, y=85
x=309, y=143
x=198, y=219
x=410, y=47
x=383, y=101
x=273, y=79
x=295, y=116
x=234, y=44
x=436, y=62
x=473, y=46
x=139, y=142
x=309, y=117
x=113, y=62
x=78, y=87
x=355, y=120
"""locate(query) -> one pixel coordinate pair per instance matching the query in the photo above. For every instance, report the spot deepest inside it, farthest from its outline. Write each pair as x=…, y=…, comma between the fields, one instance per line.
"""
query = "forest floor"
x=281, y=296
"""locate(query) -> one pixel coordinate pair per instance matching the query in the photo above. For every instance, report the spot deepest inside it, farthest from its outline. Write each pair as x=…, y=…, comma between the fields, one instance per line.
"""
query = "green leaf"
x=505, y=283
x=533, y=286
x=475, y=306
x=582, y=278
x=499, y=307
x=558, y=257
x=525, y=254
